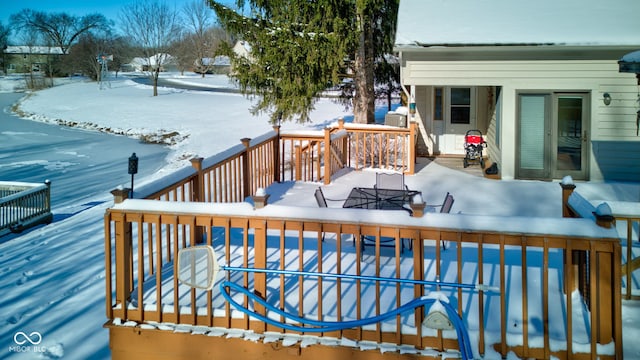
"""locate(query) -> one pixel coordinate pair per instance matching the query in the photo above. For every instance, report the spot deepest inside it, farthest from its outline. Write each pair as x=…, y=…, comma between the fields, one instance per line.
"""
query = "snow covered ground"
x=52, y=278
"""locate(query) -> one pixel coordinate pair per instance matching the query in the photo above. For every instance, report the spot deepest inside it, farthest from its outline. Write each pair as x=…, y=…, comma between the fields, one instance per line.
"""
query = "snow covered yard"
x=53, y=277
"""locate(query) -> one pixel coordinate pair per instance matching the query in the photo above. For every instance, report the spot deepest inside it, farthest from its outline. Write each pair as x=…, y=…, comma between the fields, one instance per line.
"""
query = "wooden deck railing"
x=309, y=155
x=393, y=148
x=23, y=205
x=530, y=314
x=238, y=172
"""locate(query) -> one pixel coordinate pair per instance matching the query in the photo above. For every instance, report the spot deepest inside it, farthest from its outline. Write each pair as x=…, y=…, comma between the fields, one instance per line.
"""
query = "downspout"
x=409, y=95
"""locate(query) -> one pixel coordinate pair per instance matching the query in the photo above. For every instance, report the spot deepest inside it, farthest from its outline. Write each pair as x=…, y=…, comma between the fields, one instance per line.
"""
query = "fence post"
x=276, y=154
x=246, y=174
x=327, y=156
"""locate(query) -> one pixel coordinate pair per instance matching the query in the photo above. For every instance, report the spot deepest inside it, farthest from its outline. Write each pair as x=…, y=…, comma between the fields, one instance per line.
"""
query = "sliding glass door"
x=552, y=135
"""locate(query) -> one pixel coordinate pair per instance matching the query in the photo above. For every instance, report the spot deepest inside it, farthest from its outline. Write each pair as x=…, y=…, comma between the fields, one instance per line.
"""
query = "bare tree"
x=154, y=27
x=84, y=55
x=199, y=18
x=61, y=29
x=4, y=37
x=183, y=54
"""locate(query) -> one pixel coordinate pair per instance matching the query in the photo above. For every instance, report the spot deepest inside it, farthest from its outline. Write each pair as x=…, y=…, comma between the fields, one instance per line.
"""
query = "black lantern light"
x=133, y=169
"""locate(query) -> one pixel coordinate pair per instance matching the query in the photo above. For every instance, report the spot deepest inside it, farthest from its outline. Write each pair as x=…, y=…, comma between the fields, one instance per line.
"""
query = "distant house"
x=217, y=65
x=166, y=62
x=540, y=79
x=243, y=49
x=28, y=59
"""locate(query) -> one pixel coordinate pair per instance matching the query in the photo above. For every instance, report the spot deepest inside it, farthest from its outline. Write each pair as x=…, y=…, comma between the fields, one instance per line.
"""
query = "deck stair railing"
x=23, y=205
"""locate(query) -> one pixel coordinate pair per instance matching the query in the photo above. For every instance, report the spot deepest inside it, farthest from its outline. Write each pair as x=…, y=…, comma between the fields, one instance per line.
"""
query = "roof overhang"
x=462, y=52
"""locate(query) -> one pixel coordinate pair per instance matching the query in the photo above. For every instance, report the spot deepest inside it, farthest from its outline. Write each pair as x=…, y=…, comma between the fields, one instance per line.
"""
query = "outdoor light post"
x=133, y=169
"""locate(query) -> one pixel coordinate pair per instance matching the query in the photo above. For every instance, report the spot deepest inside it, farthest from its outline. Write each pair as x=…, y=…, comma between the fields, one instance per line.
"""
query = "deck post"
x=276, y=154
x=47, y=205
x=604, y=298
x=579, y=257
x=246, y=173
x=298, y=162
x=260, y=279
x=567, y=190
x=197, y=194
x=344, y=145
x=198, y=185
x=411, y=161
x=327, y=156
x=605, y=221
x=120, y=195
x=123, y=242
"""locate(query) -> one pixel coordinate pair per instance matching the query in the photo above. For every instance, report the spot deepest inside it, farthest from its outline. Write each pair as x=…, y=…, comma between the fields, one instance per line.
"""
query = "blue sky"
x=109, y=8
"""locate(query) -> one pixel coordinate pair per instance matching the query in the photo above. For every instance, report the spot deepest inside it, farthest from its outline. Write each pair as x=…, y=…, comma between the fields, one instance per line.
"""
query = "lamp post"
x=133, y=169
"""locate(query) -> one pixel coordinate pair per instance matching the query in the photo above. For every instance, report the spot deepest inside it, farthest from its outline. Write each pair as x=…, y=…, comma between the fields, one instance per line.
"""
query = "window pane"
x=460, y=96
x=460, y=115
x=569, y=133
x=437, y=106
x=532, y=137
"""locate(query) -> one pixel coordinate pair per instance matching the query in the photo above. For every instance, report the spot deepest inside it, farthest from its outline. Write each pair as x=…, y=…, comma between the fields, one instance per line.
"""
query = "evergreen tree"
x=299, y=48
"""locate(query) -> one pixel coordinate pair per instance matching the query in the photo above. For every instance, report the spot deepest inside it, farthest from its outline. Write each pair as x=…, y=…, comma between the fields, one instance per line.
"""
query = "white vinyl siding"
x=613, y=123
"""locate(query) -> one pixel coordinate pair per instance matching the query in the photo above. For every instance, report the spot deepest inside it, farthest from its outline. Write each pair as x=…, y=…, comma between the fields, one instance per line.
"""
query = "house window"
x=460, y=105
x=438, y=103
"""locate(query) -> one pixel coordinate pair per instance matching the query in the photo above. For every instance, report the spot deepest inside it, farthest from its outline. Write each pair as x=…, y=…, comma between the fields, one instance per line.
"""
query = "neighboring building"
x=140, y=64
x=28, y=59
x=243, y=49
x=217, y=65
x=532, y=76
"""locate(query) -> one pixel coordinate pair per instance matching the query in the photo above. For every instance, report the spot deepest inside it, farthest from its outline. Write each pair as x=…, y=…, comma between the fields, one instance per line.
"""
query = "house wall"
x=25, y=63
x=611, y=126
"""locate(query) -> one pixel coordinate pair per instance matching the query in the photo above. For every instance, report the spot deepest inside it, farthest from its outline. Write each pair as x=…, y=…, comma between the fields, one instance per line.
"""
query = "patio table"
x=383, y=199
x=376, y=198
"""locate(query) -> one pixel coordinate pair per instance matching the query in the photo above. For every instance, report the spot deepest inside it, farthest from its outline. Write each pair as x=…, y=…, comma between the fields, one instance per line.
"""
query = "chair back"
x=394, y=181
x=447, y=204
x=322, y=202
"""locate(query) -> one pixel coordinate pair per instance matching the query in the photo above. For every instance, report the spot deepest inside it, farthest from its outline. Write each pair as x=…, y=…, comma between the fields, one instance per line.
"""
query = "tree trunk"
x=364, y=98
x=156, y=74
